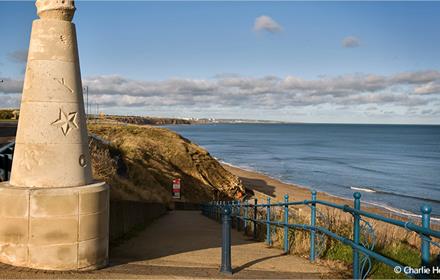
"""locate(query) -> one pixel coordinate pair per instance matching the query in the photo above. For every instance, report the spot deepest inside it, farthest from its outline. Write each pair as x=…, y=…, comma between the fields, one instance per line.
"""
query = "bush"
x=6, y=114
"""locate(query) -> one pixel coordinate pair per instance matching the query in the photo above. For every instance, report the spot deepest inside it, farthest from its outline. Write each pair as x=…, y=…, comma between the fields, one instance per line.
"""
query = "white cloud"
x=266, y=23
x=10, y=85
x=428, y=88
x=419, y=90
x=351, y=42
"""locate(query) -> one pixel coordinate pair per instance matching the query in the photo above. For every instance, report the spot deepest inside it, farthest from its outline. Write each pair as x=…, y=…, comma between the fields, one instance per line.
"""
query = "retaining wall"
x=126, y=215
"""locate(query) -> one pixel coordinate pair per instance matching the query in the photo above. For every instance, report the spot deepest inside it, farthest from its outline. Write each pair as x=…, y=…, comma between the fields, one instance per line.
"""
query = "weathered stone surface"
x=55, y=9
x=50, y=231
x=53, y=203
x=53, y=257
x=93, y=226
x=93, y=200
x=40, y=85
x=53, y=40
x=14, y=204
x=93, y=252
x=52, y=206
x=51, y=148
x=47, y=231
x=12, y=253
x=55, y=160
x=13, y=230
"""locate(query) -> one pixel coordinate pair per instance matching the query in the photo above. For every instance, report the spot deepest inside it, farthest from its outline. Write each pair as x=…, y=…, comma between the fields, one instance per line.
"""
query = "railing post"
x=286, y=221
x=238, y=215
x=356, y=235
x=312, y=225
x=234, y=213
x=246, y=216
x=212, y=210
x=268, y=237
x=231, y=205
x=219, y=210
x=426, y=221
x=255, y=218
x=226, y=240
x=234, y=203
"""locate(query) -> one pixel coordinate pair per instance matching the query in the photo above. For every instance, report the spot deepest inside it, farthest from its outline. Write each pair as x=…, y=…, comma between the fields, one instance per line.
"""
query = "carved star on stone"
x=66, y=122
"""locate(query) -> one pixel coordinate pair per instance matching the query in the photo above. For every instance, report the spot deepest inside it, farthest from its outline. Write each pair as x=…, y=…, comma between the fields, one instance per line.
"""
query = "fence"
x=128, y=215
x=363, y=240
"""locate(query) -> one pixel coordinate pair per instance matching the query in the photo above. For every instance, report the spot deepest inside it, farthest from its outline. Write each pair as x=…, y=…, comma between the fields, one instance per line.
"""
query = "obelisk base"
x=54, y=228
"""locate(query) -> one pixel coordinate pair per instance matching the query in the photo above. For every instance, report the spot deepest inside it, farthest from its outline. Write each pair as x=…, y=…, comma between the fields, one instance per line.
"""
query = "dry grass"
x=140, y=162
x=108, y=165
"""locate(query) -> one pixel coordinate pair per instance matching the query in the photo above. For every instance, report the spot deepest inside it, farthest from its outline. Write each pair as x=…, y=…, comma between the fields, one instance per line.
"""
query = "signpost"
x=176, y=188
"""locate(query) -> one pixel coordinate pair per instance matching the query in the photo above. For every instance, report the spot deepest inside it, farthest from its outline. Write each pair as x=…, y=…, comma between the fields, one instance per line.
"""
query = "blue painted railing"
x=363, y=241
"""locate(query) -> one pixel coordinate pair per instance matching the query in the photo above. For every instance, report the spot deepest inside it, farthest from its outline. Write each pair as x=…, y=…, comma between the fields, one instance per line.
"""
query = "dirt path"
x=185, y=244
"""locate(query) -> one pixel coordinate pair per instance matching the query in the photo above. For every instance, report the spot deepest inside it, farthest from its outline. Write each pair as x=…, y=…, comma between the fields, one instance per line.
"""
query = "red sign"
x=176, y=188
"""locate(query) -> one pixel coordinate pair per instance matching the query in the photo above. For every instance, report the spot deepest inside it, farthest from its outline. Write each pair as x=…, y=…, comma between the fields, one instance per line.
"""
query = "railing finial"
x=426, y=209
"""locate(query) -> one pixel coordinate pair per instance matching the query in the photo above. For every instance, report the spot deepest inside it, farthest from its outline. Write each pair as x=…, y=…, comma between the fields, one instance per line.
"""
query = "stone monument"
x=52, y=214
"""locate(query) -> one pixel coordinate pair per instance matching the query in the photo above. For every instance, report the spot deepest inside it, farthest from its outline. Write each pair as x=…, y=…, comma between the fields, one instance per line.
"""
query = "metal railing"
x=362, y=243
x=6, y=153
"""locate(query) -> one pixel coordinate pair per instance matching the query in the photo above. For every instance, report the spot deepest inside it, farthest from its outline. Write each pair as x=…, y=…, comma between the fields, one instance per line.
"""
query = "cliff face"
x=143, y=120
x=140, y=162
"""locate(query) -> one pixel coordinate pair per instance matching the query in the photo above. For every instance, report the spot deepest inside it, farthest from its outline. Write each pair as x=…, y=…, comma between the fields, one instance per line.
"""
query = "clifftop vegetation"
x=140, y=162
x=142, y=120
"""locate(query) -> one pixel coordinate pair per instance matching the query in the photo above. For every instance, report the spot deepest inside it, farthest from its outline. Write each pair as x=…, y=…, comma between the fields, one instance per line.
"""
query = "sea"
x=393, y=166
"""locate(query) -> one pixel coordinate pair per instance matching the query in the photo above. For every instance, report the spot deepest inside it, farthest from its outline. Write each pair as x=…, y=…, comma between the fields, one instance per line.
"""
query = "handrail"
x=6, y=147
x=241, y=212
x=348, y=209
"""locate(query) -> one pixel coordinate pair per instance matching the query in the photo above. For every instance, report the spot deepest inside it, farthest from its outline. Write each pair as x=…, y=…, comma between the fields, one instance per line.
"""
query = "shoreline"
x=275, y=188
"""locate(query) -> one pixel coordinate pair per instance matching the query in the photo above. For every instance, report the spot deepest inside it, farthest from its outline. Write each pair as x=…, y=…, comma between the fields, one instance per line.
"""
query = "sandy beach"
x=274, y=188
x=264, y=185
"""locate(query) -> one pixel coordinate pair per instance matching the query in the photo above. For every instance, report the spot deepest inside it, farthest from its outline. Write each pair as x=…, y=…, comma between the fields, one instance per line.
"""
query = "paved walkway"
x=185, y=244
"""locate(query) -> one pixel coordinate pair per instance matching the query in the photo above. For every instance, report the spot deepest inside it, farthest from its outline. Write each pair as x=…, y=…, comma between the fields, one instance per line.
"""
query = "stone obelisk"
x=52, y=214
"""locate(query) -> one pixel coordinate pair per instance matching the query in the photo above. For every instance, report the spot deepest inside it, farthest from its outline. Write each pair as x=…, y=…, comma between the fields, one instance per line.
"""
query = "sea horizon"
x=256, y=121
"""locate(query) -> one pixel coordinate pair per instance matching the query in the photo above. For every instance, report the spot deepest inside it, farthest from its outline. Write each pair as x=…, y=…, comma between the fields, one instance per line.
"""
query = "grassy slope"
x=150, y=157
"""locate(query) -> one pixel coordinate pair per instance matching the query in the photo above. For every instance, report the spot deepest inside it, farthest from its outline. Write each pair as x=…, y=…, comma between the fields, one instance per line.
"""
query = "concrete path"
x=185, y=244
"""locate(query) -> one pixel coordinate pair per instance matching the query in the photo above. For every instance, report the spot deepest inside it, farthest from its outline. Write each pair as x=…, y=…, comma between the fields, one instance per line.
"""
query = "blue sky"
x=367, y=62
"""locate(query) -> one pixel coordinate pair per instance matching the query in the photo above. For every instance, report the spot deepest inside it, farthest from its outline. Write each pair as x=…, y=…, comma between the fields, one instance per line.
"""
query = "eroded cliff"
x=140, y=162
